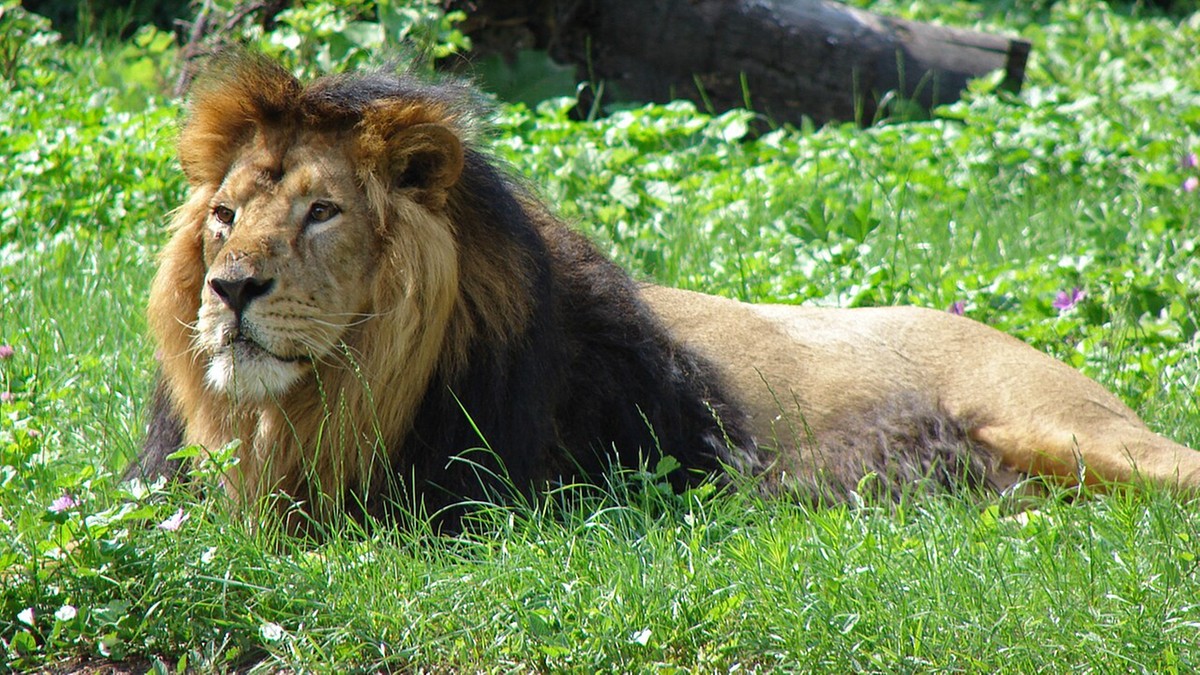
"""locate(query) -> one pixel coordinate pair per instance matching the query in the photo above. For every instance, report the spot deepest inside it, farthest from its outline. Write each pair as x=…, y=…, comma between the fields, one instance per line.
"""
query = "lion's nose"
x=237, y=293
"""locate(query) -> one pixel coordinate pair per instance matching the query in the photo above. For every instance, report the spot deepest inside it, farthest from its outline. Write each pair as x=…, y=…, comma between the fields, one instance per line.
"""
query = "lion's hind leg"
x=901, y=446
x=1099, y=454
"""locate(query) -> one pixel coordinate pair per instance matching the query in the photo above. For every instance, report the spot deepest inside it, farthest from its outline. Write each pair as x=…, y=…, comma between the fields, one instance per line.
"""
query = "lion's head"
x=331, y=257
x=298, y=194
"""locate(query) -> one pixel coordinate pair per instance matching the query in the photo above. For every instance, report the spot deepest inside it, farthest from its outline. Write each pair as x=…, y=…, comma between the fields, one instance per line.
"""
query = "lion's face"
x=289, y=250
x=315, y=262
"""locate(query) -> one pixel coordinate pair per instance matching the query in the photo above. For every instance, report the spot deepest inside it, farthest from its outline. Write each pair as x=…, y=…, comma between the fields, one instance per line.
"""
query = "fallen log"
x=787, y=59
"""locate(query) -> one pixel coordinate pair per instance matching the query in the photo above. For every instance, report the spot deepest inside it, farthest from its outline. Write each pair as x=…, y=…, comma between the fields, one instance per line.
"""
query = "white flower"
x=642, y=637
x=271, y=632
x=65, y=613
x=174, y=522
x=25, y=616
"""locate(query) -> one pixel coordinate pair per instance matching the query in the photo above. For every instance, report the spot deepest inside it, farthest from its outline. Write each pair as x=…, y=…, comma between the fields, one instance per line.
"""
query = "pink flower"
x=63, y=503
x=174, y=522
x=1189, y=161
x=1066, y=300
x=6, y=397
x=1191, y=184
x=6, y=351
x=957, y=307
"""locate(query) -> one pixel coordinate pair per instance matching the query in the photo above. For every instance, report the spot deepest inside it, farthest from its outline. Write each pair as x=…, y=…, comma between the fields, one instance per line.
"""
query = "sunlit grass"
x=998, y=203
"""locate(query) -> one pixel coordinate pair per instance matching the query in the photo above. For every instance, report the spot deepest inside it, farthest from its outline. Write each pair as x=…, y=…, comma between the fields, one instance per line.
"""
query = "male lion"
x=361, y=296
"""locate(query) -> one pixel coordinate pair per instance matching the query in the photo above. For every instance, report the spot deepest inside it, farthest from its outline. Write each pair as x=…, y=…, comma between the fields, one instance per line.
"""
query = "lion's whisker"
x=192, y=327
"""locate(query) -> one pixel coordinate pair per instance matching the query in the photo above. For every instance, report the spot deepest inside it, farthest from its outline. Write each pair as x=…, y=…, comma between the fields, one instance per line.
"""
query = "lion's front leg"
x=163, y=437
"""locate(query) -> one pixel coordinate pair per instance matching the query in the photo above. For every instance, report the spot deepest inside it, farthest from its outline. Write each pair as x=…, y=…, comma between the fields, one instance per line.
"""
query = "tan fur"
x=799, y=369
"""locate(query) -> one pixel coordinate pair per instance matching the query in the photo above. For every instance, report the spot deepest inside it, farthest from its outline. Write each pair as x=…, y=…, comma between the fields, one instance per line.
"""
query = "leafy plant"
x=20, y=29
x=349, y=34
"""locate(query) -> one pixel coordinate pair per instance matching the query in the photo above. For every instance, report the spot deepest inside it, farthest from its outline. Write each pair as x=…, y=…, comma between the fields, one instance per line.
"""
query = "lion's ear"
x=424, y=156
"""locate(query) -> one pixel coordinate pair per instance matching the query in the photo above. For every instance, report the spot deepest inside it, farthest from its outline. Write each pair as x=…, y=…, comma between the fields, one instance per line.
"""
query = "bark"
x=787, y=59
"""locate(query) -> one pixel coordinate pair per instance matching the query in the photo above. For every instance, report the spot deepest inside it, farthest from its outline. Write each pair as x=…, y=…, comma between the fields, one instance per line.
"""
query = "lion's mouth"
x=244, y=346
x=244, y=368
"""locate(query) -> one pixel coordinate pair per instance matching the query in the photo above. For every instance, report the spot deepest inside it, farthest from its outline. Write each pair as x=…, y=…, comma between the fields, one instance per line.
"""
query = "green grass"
x=1000, y=202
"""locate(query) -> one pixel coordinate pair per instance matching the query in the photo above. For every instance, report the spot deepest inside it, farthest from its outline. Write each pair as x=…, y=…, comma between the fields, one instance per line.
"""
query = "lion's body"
x=359, y=296
x=1036, y=415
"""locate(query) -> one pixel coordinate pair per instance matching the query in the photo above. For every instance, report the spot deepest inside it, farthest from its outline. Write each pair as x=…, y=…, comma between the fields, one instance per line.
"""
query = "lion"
x=381, y=317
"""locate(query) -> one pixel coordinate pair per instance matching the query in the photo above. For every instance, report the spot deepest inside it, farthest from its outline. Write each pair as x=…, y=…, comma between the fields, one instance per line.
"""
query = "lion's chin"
x=248, y=374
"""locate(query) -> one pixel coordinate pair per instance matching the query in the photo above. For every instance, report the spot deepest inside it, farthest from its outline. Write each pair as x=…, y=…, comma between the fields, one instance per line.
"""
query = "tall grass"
x=999, y=202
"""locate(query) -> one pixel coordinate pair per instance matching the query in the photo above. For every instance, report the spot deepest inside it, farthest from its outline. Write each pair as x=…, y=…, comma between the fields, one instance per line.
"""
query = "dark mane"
x=593, y=380
x=351, y=94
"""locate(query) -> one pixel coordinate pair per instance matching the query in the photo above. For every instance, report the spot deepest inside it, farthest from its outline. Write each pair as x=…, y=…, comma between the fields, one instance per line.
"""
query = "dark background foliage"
x=78, y=19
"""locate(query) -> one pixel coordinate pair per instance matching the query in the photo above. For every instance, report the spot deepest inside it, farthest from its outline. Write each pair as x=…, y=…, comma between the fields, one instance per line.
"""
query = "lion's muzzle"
x=243, y=360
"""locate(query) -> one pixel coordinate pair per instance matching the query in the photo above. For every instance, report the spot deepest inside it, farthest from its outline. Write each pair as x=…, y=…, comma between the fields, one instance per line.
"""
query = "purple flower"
x=957, y=307
x=174, y=522
x=1067, y=299
x=6, y=351
x=1191, y=183
x=63, y=503
x=1189, y=161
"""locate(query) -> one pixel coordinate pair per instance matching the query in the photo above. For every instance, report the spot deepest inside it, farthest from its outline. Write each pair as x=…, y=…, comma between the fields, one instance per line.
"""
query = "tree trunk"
x=786, y=59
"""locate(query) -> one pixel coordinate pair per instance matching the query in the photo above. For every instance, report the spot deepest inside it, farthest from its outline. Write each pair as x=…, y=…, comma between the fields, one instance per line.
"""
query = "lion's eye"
x=321, y=212
x=223, y=214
